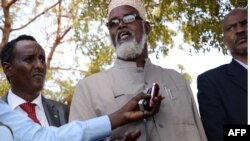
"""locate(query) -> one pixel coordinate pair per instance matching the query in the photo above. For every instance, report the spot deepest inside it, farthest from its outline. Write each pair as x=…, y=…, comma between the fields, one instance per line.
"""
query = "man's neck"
x=242, y=58
x=140, y=62
x=27, y=96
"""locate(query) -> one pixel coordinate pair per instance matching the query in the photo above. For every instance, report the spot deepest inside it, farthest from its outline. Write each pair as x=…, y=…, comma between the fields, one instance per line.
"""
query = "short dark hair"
x=7, y=50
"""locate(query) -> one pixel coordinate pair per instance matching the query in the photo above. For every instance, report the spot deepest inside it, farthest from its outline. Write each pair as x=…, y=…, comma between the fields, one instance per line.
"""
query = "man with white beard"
x=132, y=73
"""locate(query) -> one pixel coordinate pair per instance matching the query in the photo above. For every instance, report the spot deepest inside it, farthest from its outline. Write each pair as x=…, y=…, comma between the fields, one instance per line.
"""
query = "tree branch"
x=66, y=69
x=58, y=37
x=65, y=32
x=11, y=2
x=46, y=10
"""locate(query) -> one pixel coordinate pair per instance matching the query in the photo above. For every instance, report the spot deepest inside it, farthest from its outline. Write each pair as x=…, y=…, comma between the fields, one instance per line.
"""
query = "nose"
x=121, y=24
x=40, y=64
x=241, y=28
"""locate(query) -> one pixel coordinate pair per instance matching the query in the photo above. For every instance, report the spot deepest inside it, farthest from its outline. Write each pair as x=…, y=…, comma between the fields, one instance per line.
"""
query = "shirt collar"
x=242, y=64
x=129, y=64
x=14, y=100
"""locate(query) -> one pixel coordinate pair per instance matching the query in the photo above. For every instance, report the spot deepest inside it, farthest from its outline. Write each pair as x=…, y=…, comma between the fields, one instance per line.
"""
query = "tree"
x=199, y=21
x=57, y=12
x=61, y=24
x=8, y=18
x=184, y=73
x=4, y=85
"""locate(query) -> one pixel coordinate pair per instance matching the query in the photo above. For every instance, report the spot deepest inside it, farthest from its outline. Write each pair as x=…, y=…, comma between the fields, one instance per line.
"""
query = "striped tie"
x=29, y=108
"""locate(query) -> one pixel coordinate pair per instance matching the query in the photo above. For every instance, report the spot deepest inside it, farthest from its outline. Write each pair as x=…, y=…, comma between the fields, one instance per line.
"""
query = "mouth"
x=241, y=39
x=39, y=75
x=124, y=36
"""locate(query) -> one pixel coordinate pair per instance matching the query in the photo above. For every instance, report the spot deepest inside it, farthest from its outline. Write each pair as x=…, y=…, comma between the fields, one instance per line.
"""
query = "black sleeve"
x=212, y=113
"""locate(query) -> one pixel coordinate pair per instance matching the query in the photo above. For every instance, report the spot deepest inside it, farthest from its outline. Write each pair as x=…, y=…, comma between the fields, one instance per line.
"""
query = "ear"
x=7, y=69
x=147, y=27
x=223, y=40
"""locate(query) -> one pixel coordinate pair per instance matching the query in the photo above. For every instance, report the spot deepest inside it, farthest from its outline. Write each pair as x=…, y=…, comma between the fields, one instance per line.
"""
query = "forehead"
x=235, y=16
x=27, y=46
x=122, y=10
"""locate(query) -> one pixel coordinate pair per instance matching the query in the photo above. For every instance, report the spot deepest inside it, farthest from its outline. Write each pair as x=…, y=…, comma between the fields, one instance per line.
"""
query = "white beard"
x=131, y=49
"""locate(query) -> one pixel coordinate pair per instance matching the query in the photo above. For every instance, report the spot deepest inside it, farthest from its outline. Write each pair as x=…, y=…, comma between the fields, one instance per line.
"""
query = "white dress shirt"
x=14, y=101
x=24, y=129
x=241, y=63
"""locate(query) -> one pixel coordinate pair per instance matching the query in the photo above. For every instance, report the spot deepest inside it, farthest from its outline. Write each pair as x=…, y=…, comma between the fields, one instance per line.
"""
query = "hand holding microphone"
x=147, y=104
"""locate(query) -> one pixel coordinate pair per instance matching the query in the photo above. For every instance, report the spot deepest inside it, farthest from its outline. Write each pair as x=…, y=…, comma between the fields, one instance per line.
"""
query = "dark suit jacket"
x=222, y=98
x=57, y=113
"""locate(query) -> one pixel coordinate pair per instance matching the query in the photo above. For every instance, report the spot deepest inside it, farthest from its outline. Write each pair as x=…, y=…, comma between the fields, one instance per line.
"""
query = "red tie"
x=29, y=108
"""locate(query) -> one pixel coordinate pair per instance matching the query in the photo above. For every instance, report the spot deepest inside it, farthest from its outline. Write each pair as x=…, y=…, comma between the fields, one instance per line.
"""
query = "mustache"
x=240, y=36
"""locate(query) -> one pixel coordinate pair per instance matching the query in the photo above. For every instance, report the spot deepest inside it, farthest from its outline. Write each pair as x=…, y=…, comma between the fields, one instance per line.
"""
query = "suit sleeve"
x=211, y=108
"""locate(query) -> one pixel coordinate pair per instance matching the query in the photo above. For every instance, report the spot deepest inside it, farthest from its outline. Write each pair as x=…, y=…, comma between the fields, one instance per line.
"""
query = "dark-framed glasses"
x=125, y=19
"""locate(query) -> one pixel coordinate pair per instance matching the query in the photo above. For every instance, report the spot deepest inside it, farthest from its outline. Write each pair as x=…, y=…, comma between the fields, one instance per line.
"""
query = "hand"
x=130, y=112
x=131, y=136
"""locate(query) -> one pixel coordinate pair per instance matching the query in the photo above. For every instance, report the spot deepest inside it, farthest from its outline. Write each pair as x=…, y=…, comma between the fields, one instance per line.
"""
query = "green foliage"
x=4, y=84
x=199, y=21
x=100, y=60
x=65, y=87
x=186, y=75
x=4, y=87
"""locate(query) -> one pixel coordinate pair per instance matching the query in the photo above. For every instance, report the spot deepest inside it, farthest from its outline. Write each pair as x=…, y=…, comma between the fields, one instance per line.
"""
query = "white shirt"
x=14, y=101
x=242, y=64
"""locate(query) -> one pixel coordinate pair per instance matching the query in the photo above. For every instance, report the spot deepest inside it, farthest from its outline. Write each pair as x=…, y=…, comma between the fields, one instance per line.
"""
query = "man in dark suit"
x=23, y=62
x=222, y=92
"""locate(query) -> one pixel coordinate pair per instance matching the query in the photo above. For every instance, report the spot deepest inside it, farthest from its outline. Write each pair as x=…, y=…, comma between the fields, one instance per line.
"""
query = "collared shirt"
x=24, y=129
x=14, y=101
x=241, y=63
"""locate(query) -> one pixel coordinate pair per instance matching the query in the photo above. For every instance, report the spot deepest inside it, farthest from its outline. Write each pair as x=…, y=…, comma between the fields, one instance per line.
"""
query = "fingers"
x=131, y=136
x=131, y=112
x=155, y=108
x=141, y=96
x=157, y=104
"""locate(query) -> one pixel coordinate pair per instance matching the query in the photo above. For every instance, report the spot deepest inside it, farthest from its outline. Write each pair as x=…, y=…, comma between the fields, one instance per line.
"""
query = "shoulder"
x=94, y=77
x=166, y=75
x=166, y=71
x=98, y=79
x=55, y=104
x=215, y=72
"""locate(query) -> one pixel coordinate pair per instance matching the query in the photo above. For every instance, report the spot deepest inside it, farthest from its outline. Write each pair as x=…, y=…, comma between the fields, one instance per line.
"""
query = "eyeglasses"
x=126, y=19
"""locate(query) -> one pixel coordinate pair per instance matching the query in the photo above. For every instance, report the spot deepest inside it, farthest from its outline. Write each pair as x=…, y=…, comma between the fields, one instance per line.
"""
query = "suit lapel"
x=51, y=112
x=238, y=74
